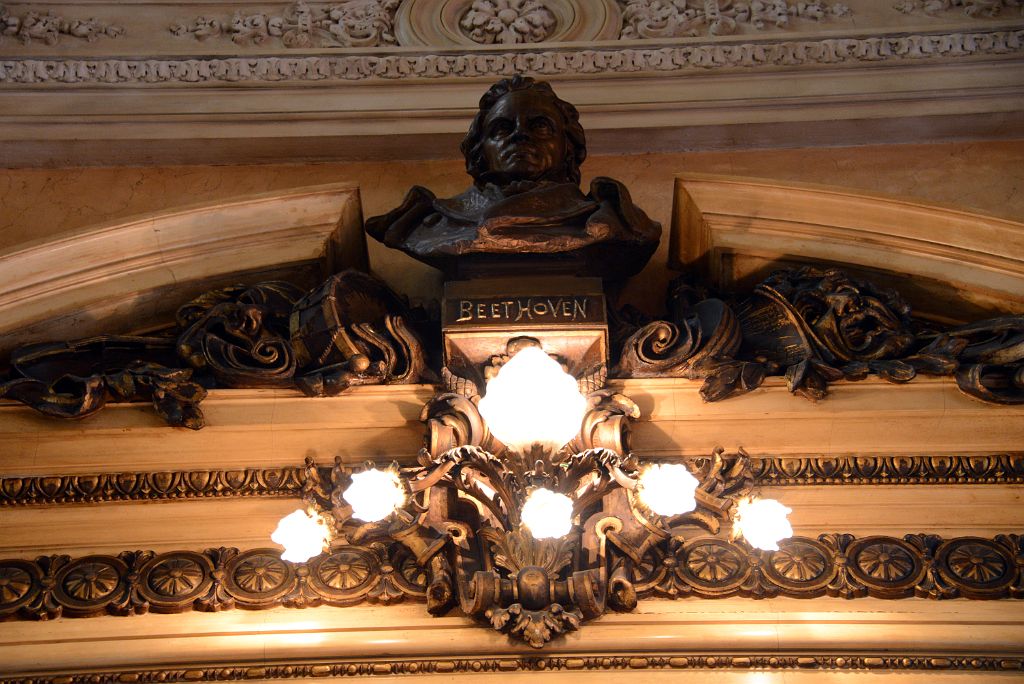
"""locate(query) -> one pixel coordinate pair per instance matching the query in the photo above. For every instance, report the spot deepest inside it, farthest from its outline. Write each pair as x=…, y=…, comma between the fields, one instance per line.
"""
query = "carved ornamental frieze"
x=408, y=23
x=49, y=29
x=351, y=23
x=137, y=582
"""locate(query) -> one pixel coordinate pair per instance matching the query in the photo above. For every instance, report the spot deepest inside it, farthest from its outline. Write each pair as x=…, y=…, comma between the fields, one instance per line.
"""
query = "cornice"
x=676, y=77
x=994, y=469
x=633, y=60
x=839, y=661
x=218, y=579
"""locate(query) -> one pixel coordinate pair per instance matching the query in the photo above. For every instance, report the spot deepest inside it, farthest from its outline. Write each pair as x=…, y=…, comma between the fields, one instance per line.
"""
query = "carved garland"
x=646, y=19
x=137, y=582
x=48, y=28
x=977, y=9
x=570, y=663
x=1000, y=469
x=720, y=55
x=349, y=23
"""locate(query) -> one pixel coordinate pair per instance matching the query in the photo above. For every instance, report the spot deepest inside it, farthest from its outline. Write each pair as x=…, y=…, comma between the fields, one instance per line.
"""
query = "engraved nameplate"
x=524, y=310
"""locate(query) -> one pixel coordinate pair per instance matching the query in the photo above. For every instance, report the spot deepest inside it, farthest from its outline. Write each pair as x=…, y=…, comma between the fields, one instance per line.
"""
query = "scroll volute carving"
x=350, y=331
x=240, y=334
x=993, y=359
x=353, y=330
x=453, y=420
x=816, y=326
x=606, y=425
x=76, y=379
x=700, y=339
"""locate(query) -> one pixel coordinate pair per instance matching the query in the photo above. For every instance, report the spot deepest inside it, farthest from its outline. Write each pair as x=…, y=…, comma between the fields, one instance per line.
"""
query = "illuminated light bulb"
x=547, y=514
x=374, y=494
x=302, y=535
x=533, y=401
x=763, y=522
x=668, y=488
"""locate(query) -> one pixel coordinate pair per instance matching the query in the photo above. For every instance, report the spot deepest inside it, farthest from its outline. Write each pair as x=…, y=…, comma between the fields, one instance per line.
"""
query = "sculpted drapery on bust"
x=525, y=208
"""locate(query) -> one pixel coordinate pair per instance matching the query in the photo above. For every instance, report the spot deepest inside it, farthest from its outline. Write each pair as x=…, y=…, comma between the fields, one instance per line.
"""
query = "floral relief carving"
x=91, y=581
x=15, y=583
x=688, y=18
x=799, y=562
x=350, y=23
x=508, y=22
x=345, y=570
x=979, y=9
x=260, y=573
x=885, y=562
x=175, y=577
x=977, y=563
x=715, y=563
x=704, y=567
x=48, y=28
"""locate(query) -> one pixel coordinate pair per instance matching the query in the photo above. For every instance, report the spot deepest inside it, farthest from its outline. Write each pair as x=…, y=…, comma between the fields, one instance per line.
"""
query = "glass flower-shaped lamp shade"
x=763, y=522
x=667, y=488
x=547, y=514
x=302, y=535
x=374, y=494
x=533, y=401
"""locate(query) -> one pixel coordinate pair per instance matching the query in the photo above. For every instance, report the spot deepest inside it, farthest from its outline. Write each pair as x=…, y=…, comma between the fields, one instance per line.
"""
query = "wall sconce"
x=527, y=509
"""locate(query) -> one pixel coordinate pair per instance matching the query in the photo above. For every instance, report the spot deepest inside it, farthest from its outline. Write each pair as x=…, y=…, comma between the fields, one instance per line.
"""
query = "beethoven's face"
x=523, y=138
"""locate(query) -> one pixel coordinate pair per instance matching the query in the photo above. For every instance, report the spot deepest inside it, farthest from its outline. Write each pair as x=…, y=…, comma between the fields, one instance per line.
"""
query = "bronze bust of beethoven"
x=525, y=209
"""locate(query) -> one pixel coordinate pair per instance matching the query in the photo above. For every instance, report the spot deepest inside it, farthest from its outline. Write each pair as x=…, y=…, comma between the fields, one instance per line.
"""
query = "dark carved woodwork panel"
x=817, y=325
x=703, y=567
x=352, y=330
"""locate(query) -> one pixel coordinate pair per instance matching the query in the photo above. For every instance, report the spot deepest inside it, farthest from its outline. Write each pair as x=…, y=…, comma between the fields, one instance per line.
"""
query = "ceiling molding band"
x=217, y=579
x=632, y=60
x=994, y=469
x=834, y=662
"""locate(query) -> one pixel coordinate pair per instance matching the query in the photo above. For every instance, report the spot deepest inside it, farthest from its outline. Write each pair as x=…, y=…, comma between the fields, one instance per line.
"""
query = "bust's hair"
x=476, y=165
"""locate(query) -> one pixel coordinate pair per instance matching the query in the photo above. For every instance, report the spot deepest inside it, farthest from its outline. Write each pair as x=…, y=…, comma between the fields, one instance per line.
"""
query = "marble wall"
x=40, y=203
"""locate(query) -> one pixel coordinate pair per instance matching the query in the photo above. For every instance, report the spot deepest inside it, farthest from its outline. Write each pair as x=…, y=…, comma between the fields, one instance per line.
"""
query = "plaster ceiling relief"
x=146, y=29
x=348, y=23
x=506, y=22
x=28, y=27
x=653, y=19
